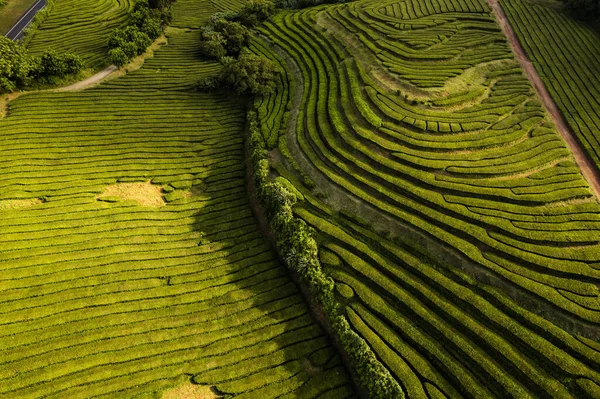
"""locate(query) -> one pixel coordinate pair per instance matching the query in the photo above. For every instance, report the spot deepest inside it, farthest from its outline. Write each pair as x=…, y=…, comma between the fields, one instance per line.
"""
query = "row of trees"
x=147, y=21
x=19, y=69
x=226, y=38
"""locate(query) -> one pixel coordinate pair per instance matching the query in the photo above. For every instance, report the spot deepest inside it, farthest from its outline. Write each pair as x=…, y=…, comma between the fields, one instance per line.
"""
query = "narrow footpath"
x=587, y=167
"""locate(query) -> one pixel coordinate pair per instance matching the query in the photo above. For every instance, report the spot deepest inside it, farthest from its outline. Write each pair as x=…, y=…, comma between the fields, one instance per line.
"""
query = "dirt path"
x=587, y=167
x=91, y=81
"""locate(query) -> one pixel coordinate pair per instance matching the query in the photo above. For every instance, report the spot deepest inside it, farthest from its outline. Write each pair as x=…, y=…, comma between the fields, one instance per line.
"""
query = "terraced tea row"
x=105, y=298
x=81, y=27
x=566, y=54
x=131, y=259
x=459, y=164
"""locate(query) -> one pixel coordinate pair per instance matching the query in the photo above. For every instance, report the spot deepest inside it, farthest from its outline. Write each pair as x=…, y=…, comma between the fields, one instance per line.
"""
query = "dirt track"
x=587, y=167
x=91, y=81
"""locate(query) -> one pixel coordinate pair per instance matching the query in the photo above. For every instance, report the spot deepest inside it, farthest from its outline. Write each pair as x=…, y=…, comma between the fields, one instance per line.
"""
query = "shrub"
x=235, y=34
x=255, y=12
x=117, y=56
x=249, y=74
x=130, y=41
x=53, y=64
x=16, y=67
x=212, y=44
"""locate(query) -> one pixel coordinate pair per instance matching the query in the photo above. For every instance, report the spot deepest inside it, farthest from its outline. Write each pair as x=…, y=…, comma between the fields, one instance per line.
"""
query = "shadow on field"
x=266, y=341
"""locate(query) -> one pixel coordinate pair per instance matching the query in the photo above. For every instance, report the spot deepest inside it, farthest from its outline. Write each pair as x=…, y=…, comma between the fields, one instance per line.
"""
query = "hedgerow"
x=146, y=23
x=105, y=296
x=415, y=117
x=18, y=69
x=297, y=246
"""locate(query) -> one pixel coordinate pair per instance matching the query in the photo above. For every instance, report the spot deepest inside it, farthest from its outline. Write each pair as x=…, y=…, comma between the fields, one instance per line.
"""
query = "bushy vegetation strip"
x=298, y=248
x=18, y=69
x=106, y=296
x=436, y=176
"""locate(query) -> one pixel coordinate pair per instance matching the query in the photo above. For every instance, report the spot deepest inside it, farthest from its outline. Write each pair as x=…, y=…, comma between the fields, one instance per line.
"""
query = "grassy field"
x=82, y=27
x=131, y=260
x=11, y=12
x=463, y=240
x=566, y=54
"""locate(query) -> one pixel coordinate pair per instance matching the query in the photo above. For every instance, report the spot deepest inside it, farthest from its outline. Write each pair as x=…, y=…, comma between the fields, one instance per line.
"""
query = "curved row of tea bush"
x=105, y=297
x=81, y=27
x=566, y=54
x=463, y=161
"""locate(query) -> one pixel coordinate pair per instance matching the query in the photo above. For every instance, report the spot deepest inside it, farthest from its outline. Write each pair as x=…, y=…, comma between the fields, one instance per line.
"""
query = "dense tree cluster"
x=248, y=74
x=148, y=19
x=18, y=69
x=226, y=38
x=222, y=37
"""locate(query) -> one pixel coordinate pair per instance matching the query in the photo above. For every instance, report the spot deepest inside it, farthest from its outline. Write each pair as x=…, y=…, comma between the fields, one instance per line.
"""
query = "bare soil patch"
x=145, y=194
x=19, y=203
x=191, y=391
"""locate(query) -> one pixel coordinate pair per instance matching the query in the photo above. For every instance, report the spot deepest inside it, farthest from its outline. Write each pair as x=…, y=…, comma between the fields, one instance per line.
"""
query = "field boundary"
x=587, y=167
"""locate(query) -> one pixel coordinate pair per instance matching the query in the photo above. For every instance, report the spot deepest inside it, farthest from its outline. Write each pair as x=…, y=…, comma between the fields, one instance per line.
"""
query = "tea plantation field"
x=80, y=26
x=462, y=238
x=130, y=258
x=566, y=54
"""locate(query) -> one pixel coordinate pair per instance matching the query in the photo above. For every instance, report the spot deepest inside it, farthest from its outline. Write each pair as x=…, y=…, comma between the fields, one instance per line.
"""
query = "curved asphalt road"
x=16, y=32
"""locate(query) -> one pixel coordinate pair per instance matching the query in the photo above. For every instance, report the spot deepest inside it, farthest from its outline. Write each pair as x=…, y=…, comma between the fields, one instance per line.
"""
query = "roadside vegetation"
x=19, y=70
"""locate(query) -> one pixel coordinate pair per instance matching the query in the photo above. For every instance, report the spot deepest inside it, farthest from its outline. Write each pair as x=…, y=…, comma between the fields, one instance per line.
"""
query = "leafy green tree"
x=212, y=44
x=235, y=34
x=53, y=64
x=117, y=56
x=130, y=40
x=16, y=67
x=249, y=74
x=255, y=12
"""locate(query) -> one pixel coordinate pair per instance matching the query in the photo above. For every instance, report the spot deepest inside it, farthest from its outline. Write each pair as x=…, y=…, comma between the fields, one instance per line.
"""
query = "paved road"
x=16, y=32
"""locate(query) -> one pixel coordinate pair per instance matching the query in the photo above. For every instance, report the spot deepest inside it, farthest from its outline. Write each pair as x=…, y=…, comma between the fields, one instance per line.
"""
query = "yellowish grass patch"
x=145, y=194
x=19, y=203
x=191, y=391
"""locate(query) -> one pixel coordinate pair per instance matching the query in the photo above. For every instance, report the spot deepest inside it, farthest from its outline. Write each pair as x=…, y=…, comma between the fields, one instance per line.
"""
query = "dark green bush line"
x=148, y=20
x=19, y=70
x=299, y=250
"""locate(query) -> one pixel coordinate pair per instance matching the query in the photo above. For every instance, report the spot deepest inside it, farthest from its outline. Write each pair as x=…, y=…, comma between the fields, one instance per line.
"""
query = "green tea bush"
x=146, y=22
x=297, y=246
x=18, y=69
x=249, y=74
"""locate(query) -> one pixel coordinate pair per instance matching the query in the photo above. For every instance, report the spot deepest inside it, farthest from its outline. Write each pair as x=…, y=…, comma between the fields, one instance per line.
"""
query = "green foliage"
x=249, y=74
x=297, y=246
x=223, y=37
x=255, y=11
x=53, y=64
x=235, y=34
x=18, y=69
x=130, y=41
x=146, y=23
x=212, y=43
